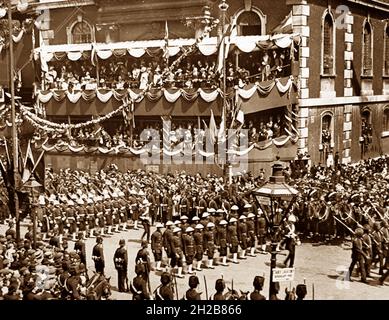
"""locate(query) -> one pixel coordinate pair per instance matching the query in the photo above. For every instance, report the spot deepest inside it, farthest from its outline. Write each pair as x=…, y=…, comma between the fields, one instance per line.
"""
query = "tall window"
x=81, y=32
x=385, y=124
x=250, y=23
x=328, y=45
x=367, y=55
x=326, y=128
x=386, y=57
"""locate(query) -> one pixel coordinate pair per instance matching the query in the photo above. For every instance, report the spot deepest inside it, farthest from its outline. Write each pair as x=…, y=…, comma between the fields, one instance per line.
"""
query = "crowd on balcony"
x=192, y=73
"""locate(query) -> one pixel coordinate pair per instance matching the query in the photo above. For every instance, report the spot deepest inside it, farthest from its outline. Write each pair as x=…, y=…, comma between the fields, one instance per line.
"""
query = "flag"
x=240, y=116
x=224, y=46
x=286, y=26
x=221, y=136
x=28, y=165
x=166, y=47
x=212, y=128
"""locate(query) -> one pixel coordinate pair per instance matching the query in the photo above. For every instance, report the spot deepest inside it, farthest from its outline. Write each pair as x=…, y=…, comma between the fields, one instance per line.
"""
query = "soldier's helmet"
x=193, y=282
x=258, y=282
x=359, y=232
x=301, y=291
x=139, y=269
x=165, y=278
x=220, y=285
x=376, y=225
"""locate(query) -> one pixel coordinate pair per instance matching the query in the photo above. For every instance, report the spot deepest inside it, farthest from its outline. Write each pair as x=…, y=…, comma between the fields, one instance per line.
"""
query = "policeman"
x=79, y=247
x=192, y=293
x=258, y=286
x=138, y=285
x=164, y=291
x=177, y=253
x=199, y=248
x=358, y=256
x=301, y=291
x=221, y=241
x=156, y=245
x=120, y=259
x=219, y=287
x=232, y=239
x=209, y=242
x=98, y=255
x=142, y=257
x=260, y=228
x=189, y=248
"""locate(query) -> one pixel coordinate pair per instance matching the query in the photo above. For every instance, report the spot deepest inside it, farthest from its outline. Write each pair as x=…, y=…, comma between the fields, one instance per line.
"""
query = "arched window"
x=385, y=124
x=386, y=52
x=328, y=45
x=367, y=47
x=327, y=127
x=250, y=23
x=80, y=31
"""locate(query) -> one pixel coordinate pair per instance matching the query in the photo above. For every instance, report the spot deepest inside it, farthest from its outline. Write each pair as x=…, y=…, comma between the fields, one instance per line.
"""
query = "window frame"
x=262, y=18
x=385, y=122
x=69, y=30
x=370, y=75
x=332, y=126
x=328, y=13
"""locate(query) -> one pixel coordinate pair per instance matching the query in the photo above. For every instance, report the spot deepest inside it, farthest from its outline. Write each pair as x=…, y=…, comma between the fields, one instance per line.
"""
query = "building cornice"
x=57, y=4
x=320, y=102
x=374, y=4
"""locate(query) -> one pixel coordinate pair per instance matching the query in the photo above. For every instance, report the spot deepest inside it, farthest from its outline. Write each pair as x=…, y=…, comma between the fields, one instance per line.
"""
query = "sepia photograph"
x=194, y=150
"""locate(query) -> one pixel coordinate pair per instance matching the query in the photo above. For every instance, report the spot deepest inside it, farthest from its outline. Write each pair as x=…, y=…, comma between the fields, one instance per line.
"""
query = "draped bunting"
x=137, y=49
x=170, y=95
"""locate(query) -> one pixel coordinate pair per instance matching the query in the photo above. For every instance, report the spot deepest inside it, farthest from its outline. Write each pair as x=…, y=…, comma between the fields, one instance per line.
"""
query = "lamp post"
x=269, y=197
x=33, y=185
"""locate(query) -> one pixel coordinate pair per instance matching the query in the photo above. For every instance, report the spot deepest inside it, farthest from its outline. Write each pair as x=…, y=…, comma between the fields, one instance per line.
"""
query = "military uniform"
x=156, y=247
x=139, y=288
x=189, y=250
x=358, y=256
x=209, y=242
x=98, y=258
x=242, y=236
x=121, y=265
x=192, y=294
x=167, y=242
x=221, y=241
x=79, y=247
x=233, y=241
x=198, y=240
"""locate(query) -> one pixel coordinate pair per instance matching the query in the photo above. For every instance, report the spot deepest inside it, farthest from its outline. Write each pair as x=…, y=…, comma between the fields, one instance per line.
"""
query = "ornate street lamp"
x=275, y=198
x=33, y=185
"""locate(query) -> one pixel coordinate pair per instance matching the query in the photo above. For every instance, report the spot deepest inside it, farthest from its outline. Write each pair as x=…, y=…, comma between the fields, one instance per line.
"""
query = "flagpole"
x=13, y=115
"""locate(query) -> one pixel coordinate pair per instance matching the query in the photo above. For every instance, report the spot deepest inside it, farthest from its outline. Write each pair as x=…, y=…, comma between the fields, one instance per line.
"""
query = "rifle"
x=206, y=287
x=379, y=213
x=349, y=229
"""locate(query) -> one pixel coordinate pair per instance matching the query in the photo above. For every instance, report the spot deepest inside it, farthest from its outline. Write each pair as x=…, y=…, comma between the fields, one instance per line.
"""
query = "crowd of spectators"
x=192, y=73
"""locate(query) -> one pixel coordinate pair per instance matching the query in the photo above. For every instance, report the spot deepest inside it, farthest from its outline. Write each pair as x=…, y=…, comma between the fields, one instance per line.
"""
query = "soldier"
x=195, y=221
x=209, y=242
x=234, y=211
x=260, y=228
x=143, y=257
x=108, y=213
x=81, y=212
x=71, y=218
x=98, y=255
x=232, y=239
x=192, y=293
x=251, y=234
x=184, y=222
x=99, y=207
x=198, y=240
x=123, y=210
x=146, y=220
x=177, y=254
x=120, y=259
x=221, y=241
x=358, y=256
x=116, y=212
x=90, y=211
x=367, y=248
x=258, y=286
x=377, y=255
x=79, y=247
x=189, y=248
x=156, y=245
x=139, y=285
x=301, y=291
x=219, y=287
x=164, y=291
x=385, y=241
x=167, y=240
x=73, y=283
x=242, y=236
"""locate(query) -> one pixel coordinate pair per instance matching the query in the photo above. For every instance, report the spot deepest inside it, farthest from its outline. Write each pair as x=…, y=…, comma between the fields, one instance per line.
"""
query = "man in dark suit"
x=121, y=265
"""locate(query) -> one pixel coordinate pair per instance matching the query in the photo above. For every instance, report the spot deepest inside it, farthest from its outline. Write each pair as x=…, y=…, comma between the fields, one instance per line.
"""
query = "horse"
x=98, y=287
x=233, y=294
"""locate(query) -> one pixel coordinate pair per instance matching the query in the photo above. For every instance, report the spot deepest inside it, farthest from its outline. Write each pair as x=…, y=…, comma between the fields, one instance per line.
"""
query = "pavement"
x=322, y=267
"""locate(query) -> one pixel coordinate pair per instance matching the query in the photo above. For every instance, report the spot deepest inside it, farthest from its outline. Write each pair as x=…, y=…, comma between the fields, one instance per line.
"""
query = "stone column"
x=300, y=14
x=348, y=88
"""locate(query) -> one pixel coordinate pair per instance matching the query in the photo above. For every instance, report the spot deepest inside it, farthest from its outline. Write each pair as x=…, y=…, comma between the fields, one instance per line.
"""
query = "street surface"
x=322, y=267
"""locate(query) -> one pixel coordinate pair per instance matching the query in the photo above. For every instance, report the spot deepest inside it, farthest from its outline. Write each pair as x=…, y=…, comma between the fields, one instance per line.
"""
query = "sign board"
x=263, y=200
x=283, y=274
